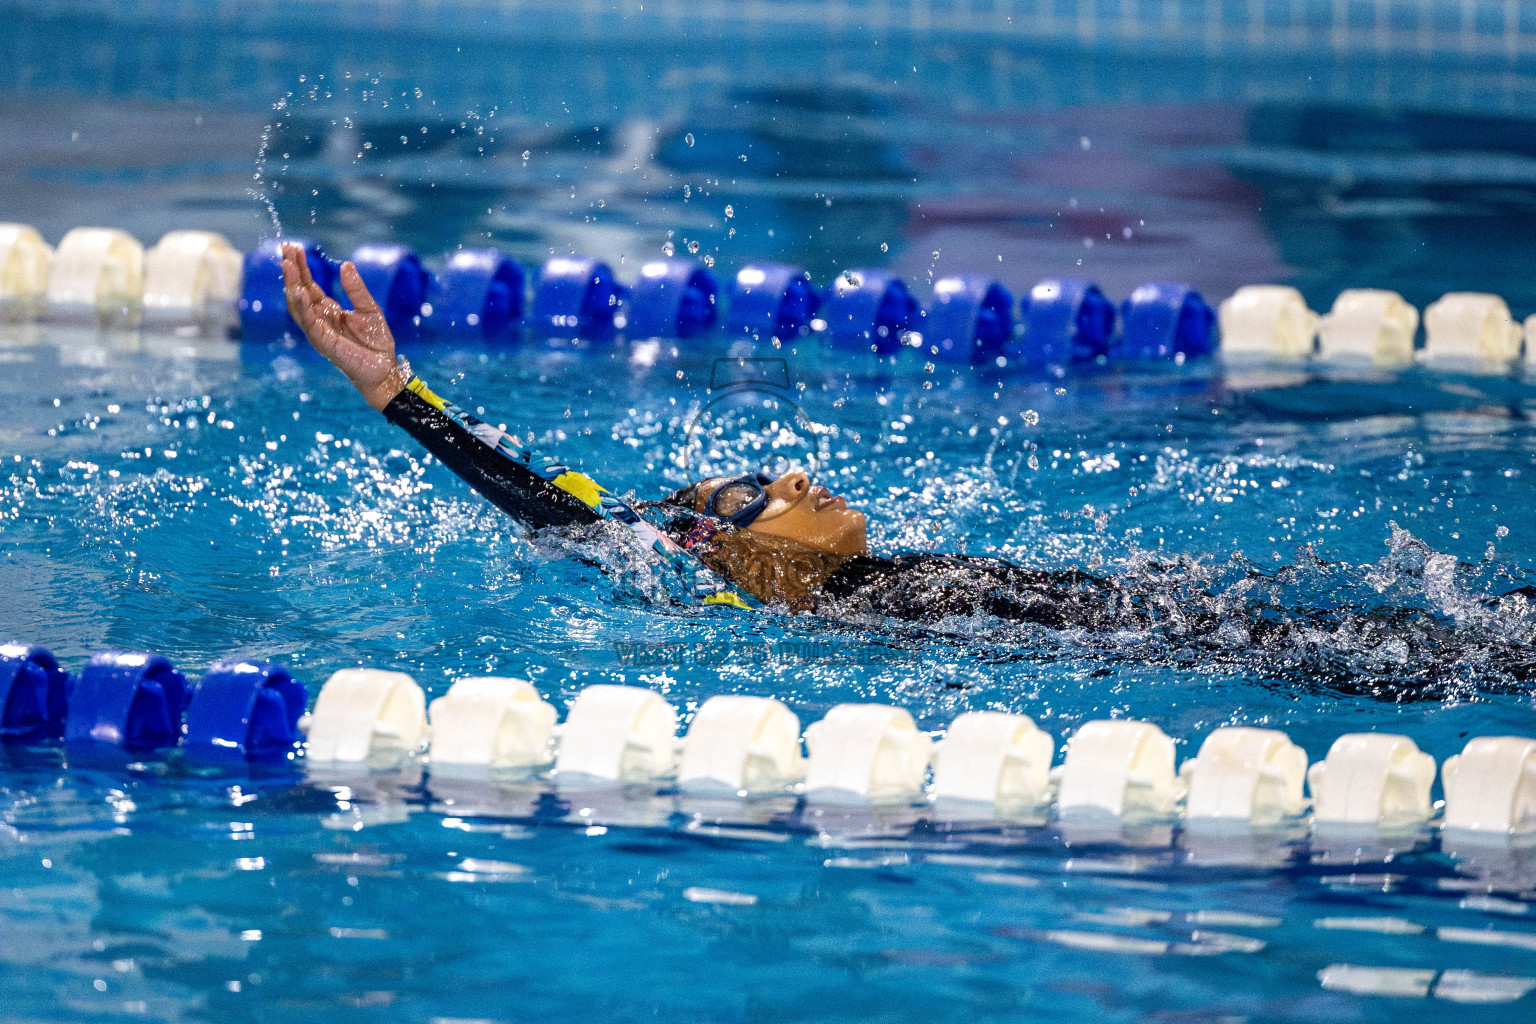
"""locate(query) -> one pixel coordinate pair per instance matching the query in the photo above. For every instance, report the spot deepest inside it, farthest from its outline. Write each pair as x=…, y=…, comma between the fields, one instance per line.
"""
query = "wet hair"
x=682, y=520
x=772, y=569
x=688, y=497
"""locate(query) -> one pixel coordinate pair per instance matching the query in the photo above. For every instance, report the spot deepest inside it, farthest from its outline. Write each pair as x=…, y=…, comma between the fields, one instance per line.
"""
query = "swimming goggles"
x=749, y=488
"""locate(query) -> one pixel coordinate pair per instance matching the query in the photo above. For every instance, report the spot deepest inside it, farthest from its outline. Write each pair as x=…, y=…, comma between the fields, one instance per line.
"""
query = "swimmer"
x=780, y=539
x=798, y=547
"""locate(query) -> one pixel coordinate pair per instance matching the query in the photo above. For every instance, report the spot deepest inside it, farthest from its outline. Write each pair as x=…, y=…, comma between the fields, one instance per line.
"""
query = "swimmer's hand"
x=357, y=341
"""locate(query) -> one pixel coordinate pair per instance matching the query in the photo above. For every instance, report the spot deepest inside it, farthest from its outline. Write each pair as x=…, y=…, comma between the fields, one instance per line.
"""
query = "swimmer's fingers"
x=357, y=291
x=294, y=279
x=296, y=274
x=364, y=323
x=319, y=305
x=313, y=310
x=348, y=339
x=307, y=304
x=333, y=331
x=322, y=335
x=295, y=266
x=328, y=333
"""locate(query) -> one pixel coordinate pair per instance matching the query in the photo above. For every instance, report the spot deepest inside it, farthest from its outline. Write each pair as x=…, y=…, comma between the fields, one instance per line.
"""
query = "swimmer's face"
x=796, y=511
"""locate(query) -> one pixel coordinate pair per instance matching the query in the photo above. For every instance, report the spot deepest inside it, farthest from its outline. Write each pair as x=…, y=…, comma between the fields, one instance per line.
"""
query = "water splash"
x=261, y=191
x=1415, y=625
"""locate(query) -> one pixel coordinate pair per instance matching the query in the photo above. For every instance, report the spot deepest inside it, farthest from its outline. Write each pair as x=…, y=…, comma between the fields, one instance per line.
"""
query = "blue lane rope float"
x=479, y=292
x=575, y=296
x=34, y=693
x=1066, y=320
x=771, y=300
x=397, y=280
x=869, y=309
x=128, y=699
x=245, y=709
x=970, y=321
x=1164, y=320
x=263, y=308
x=672, y=299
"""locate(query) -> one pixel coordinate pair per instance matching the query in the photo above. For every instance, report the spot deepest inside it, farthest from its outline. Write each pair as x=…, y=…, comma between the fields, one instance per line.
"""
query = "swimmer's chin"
x=857, y=542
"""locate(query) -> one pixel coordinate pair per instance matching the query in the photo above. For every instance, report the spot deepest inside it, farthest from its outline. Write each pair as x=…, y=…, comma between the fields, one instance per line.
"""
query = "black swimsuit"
x=929, y=588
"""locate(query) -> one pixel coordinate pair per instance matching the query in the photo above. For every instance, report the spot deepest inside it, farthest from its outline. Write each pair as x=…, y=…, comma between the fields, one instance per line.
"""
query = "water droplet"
x=709, y=260
x=731, y=233
x=693, y=247
x=885, y=246
x=1032, y=462
x=935, y=254
x=687, y=191
x=1031, y=417
x=1502, y=531
x=688, y=138
x=602, y=203
x=730, y=212
x=668, y=249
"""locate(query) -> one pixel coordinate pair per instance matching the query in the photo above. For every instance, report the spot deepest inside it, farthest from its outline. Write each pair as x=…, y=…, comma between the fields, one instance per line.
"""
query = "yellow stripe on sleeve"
x=418, y=387
x=581, y=486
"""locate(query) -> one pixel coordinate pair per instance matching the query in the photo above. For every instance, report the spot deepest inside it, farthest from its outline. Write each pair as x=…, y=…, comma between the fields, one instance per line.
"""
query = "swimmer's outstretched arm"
x=534, y=489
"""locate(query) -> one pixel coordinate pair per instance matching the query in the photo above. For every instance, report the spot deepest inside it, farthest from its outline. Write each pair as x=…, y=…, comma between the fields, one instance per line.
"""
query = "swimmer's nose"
x=790, y=487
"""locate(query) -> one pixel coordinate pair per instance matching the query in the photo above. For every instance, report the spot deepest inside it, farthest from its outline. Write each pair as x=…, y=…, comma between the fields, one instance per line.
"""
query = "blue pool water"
x=206, y=499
